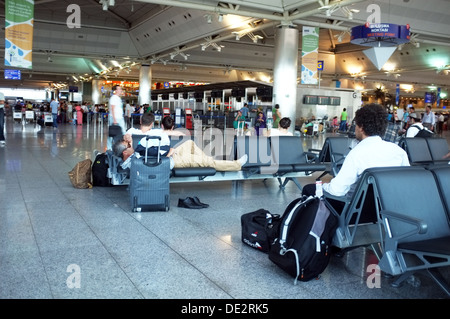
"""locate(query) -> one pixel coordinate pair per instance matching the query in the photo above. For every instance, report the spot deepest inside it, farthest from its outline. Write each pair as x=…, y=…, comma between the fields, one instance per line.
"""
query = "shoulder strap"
x=291, y=215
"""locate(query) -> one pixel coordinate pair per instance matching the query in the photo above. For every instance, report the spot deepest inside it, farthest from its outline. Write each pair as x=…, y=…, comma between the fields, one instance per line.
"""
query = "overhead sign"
x=319, y=65
x=380, y=34
x=19, y=15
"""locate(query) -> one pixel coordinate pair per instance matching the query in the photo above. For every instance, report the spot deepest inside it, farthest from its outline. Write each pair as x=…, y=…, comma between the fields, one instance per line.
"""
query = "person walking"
x=54, y=106
x=116, y=108
x=276, y=115
x=343, y=124
x=115, y=116
x=428, y=119
x=2, y=119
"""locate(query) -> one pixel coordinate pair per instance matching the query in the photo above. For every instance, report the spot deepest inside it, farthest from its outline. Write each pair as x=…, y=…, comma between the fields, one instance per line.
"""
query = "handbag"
x=115, y=130
x=259, y=229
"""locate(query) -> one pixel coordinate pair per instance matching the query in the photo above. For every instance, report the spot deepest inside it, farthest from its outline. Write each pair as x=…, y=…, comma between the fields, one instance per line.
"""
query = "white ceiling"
x=163, y=32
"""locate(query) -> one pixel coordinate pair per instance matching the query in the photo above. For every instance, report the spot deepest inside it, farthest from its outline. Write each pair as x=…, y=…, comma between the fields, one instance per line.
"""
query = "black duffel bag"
x=259, y=229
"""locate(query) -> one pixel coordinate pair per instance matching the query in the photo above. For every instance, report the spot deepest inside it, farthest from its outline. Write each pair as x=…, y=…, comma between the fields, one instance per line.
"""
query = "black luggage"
x=100, y=171
x=259, y=229
x=149, y=182
x=304, y=244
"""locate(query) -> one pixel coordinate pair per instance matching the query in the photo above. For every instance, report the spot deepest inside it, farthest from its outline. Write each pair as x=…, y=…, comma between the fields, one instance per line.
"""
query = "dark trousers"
x=2, y=124
x=310, y=190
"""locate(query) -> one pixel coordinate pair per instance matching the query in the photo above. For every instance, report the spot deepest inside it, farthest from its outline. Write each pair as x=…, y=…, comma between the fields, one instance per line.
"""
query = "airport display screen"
x=12, y=74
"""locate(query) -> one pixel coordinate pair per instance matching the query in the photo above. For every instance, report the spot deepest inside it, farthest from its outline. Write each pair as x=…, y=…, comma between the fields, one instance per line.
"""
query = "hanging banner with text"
x=19, y=16
x=310, y=54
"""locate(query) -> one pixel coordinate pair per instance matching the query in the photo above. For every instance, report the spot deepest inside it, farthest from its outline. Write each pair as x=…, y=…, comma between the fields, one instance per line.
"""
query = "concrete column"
x=96, y=91
x=285, y=71
x=145, y=80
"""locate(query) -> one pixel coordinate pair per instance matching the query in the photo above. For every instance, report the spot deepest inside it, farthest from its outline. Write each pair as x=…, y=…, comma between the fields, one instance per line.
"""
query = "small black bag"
x=100, y=171
x=115, y=130
x=259, y=229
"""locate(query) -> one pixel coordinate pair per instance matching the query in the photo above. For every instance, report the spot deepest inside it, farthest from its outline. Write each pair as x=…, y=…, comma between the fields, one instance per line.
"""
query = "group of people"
x=430, y=121
x=371, y=151
x=371, y=122
x=187, y=154
x=261, y=126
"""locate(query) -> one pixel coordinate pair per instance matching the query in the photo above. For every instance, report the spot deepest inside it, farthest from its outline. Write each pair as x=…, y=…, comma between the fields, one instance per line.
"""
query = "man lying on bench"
x=188, y=154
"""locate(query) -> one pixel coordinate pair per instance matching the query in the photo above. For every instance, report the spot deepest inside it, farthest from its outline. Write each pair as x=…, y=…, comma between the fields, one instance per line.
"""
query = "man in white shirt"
x=128, y=111
x=2, y=119
x=283, y=127
x=415, y=125
x=116, y=108
x=54, y=105
x=428, y=119
x=115, y=116
x=371, y=151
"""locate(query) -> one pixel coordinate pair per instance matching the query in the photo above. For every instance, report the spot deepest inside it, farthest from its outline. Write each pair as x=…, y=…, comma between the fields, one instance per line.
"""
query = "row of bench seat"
x=281, y=157
x=404, y=214
x=425, y=151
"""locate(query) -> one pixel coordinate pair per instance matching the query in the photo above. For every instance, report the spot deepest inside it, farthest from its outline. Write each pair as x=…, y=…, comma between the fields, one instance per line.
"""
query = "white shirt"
x=54, y=106
x=129, y=109
x=118, y=109
x=370, y=152
x=165, y=140
x=428, y=118
x=277, y=132
x=414, y=129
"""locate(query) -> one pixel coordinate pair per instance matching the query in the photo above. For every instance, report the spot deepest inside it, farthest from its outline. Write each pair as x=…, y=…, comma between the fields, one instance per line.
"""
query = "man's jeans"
x=55, y=118
x=2, y=124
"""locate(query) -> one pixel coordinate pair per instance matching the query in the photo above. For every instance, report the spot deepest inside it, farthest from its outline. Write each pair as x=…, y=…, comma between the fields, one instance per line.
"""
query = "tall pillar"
x=285, y=72
x=145, y=80
x=96, y=91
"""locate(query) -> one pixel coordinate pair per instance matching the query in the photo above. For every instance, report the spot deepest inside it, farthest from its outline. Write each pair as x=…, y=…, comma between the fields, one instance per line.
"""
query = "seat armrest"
x=344, y=199
x=311, y=157
x=420, y=226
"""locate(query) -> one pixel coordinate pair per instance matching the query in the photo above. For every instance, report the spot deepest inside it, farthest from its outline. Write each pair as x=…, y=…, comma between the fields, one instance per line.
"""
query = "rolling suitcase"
x=149, y=182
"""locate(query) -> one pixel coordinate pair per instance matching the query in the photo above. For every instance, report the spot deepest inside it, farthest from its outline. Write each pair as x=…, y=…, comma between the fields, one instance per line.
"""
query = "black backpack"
x=303, y=248
x=259, y=229
x=100, y=171
x=423, y=132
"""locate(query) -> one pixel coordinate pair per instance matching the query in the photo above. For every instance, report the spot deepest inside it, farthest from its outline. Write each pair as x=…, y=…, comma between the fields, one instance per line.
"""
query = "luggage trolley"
x=48, y=119
x=29, y=116
x=18, y=116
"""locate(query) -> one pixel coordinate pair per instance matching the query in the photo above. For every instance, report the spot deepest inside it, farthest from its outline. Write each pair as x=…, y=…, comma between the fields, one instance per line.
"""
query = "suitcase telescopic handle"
x=146, y=147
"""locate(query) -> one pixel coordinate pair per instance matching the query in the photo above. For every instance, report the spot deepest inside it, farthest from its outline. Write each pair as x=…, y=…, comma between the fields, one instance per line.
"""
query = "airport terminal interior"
x=61, y=242
x=49, y=229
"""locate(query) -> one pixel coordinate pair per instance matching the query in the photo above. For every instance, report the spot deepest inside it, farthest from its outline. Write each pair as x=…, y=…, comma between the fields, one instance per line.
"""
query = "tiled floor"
x=58, y=242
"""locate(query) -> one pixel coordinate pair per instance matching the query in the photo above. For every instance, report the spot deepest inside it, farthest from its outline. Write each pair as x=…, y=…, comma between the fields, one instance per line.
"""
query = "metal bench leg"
x=439, y=279
x=286, y=180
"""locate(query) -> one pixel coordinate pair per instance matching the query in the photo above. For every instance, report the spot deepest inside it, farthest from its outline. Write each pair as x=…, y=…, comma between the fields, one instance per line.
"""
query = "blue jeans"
x=2, y=124
x=343, y=126
x=55, y=118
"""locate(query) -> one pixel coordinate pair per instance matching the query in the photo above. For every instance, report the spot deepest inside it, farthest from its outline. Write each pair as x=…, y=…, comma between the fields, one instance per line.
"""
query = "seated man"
x=282, y=130
x=371, y=151
x=188, y=154
x=416, y=126
x=168, y=125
